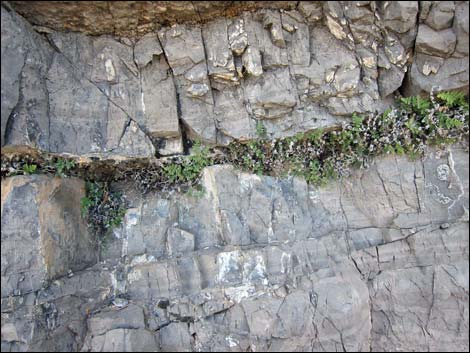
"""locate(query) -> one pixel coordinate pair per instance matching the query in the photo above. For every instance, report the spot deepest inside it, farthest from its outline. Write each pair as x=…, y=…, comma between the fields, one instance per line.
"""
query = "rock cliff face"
x=377, y=261
x=294, y=69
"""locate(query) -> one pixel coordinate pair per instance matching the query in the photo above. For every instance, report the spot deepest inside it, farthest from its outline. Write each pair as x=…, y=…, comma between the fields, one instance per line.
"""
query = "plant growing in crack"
x=29, y=169
x=261, y=131
x=319, y=155
x=103, y=208
x=191, y=167
x=63, y=166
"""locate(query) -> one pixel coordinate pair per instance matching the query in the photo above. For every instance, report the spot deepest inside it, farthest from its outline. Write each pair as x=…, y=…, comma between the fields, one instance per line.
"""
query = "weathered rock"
x=441, y=15
x=430, y=42
x=214, y=80
x=375, y=261
x=440, y=59
x=428, y=72
x=132, y=19
x=43, y=233
x=130, y=317
x=399, y=16
x=461, y=29
x=25, y=61
x=261, y=262
x=146, y=48
x=272, y=95
x=123, y=340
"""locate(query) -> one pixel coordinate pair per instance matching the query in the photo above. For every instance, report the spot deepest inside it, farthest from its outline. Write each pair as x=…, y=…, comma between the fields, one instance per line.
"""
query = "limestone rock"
x=146, y=48
x=209, y=82
x=25, y=61
x=271, y=95
x=430, y=42
x=377, y=260
x=461, y=29
x=441, y=15
x=43, y=233
x=262, y=262
x=399, y=16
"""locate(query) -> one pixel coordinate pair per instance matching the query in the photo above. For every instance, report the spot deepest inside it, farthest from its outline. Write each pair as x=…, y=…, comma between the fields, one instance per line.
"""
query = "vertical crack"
x=182, y=127
x=348, y=240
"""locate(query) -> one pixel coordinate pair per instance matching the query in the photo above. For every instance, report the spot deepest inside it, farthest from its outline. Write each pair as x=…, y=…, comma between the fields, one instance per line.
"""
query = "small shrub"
x=29, y=168
x=103, y=209
x=63, y=165
x=190, y=168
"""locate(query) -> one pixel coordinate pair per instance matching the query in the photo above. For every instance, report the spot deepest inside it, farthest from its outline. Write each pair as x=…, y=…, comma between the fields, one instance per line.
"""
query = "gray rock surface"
x=376, y=261
x=297, y=69
x=441, y=55
x=43, y=233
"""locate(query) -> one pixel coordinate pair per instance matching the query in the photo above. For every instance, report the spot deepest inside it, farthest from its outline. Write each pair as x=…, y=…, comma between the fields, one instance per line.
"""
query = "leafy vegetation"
x=453, y=99
x=190, y=168
x=261, y=130
x=317, y=155
x=62, y=166
x=103, y=209
x=29, y=168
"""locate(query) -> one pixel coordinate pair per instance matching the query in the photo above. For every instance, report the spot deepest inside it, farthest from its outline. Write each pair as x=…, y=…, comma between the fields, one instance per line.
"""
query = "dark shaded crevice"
x=406, y=79
x=181, y=123
x=211, y=89
x=124, y=132
x=9, y=127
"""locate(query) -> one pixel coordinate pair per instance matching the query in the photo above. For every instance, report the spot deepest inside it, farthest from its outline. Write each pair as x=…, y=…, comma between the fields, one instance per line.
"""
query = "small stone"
x=252, y=61
x=120, y=302
x=443, y=172
x=198, y=89
x=444, y=225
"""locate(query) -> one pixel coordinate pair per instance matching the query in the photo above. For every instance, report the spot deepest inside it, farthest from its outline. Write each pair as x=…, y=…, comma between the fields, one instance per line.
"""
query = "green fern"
x=416, y=104
x=453, y=98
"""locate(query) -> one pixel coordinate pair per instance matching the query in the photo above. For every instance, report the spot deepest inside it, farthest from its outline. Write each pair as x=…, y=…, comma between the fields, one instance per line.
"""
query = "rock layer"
x=377, y=261
x=373, y=262
x=293, y=69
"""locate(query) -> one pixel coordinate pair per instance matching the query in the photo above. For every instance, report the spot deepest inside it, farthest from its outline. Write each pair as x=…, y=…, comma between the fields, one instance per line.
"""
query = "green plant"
x=174, y=172
x=319, y=156
x=103, y=209
x=413, y=126
x=29, y=168
x=315, y=137
x=63, y=165
x=416, y=104
x=261, y=129
x=448, y=122
x=453, y=98
x=190, y=168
